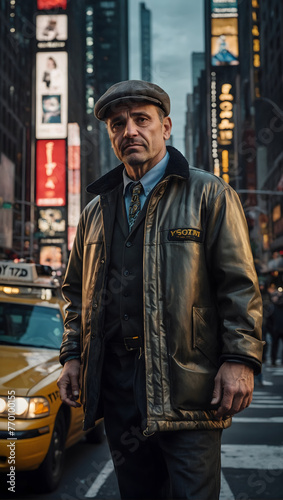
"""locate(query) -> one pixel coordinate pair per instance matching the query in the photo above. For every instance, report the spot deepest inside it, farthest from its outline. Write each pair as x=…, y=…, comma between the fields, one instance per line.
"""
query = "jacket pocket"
x=192, y=387
x=192, y=379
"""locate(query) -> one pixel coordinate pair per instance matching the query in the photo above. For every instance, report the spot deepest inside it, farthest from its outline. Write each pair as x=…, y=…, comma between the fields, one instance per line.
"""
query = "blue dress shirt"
x=148, y=181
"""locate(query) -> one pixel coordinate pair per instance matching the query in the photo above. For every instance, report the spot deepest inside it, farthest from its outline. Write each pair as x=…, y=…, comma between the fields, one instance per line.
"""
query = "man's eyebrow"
x=116, y=118
x=134, y=114
x=139, y=113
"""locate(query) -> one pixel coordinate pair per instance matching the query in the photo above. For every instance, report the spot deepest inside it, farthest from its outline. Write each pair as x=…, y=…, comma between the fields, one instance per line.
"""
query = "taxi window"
x=36, y=326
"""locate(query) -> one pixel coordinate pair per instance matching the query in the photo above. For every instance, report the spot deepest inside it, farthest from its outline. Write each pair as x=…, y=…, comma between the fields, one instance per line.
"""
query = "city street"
x=141, y=245
x=252, y=452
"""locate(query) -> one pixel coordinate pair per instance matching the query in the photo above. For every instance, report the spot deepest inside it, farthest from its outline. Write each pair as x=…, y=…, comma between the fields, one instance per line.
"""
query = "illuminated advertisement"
x=256, y=45
x=51, y=173
x=74, y=180
x=224, y=42
x=51, y=4
x=51, y=27
x=51, y=222
x=7, y=169
x=51, y=95
x=214, y=122
x=226, y=123
x=51, y=255
x=224, y=8
x=225, y=127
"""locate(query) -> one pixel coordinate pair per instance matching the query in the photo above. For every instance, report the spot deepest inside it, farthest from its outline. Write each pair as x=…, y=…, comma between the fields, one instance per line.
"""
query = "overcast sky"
x=177, y=31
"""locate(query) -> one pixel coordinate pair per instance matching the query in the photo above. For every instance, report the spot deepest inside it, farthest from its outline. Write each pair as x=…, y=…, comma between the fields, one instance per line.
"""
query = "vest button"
x=126, y=317
x=126, y=272
x=129, y=244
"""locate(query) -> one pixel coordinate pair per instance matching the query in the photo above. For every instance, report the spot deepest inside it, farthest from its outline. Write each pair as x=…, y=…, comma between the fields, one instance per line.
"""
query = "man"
x=164, y=310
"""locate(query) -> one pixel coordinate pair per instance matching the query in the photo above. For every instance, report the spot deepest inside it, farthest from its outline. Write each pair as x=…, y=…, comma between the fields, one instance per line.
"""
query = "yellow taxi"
x=35, y=427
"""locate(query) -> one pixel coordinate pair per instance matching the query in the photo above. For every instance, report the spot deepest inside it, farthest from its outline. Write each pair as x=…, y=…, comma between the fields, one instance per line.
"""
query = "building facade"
x=145, y=40
x=269, y=108
x=242, y=101
x=17, y=37
x=107, y=62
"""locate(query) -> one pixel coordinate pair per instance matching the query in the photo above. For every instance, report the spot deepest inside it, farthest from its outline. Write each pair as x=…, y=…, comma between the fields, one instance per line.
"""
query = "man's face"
x=137, y=134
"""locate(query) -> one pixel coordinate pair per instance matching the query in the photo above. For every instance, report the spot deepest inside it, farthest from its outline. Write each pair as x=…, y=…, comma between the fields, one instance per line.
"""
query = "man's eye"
x=116, y=126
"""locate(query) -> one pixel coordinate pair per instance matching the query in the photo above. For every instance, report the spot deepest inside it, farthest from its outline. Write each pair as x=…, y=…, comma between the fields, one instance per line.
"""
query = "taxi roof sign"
x=20, y=271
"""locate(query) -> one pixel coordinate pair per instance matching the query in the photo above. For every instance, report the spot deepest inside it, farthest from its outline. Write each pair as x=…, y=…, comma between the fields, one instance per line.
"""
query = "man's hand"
x=68, y=383
x=233, y=388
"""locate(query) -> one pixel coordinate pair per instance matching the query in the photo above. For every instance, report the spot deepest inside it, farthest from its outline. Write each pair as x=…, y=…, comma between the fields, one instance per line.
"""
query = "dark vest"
x=124, y=309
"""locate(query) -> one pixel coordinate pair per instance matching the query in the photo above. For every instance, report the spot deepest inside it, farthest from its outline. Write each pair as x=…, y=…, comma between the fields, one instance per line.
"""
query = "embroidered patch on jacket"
x=183, y=234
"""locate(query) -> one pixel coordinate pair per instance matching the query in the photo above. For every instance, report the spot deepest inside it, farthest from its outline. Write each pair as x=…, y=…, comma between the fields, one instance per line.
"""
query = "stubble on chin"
x=134, y=162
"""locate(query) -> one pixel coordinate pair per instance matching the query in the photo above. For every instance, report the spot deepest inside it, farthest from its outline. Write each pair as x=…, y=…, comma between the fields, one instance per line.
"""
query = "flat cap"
x=131, y=90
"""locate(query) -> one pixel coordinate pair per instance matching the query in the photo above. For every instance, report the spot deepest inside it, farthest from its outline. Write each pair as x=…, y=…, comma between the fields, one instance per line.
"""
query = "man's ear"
x=167, y=127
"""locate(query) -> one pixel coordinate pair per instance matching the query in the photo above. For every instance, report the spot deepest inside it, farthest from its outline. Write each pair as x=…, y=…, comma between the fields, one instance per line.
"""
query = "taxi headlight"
x=3, y=404
x=19, y=407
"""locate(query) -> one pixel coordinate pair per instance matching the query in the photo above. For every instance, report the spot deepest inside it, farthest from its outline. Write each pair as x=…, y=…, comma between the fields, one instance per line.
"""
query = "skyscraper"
x=222, y=59
x=196, y=115
x=269, y=110
x=145, y=31
x=106, y=64
x=16, y=47
x=271, y=19
x=198, y=65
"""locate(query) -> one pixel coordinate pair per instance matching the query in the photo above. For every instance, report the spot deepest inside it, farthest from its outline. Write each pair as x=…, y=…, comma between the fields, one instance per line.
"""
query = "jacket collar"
x=177, y=165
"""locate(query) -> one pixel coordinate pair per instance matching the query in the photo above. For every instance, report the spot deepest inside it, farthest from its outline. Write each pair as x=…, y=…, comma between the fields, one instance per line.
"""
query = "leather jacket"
x=201, y=300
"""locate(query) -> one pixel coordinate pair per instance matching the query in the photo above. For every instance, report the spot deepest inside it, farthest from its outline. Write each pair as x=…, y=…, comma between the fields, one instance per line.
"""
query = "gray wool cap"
x=131, y=90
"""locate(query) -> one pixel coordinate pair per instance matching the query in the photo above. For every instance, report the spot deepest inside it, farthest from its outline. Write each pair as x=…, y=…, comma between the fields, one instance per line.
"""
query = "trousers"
x=181, y=464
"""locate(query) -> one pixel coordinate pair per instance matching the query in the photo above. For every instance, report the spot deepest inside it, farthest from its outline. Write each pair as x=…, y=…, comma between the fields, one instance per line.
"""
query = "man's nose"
x=130, y=128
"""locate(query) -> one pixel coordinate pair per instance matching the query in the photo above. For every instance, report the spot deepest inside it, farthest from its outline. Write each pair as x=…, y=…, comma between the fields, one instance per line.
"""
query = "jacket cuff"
x=68, y=358
x=251, y=362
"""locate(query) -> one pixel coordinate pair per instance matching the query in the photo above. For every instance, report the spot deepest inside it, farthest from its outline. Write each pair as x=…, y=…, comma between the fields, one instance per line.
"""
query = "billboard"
x=7, y=172
x=74, y=180
x=51, y=4
x=51, y=222
x=51, y=173
x=224, y=8
x=51, y=255
x=224, y=42
x=51, y=27
x=51, y=95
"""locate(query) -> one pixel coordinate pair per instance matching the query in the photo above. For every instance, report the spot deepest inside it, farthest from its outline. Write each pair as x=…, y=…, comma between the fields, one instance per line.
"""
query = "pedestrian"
x=267, y=310
x=163, y=321
x=276, y=320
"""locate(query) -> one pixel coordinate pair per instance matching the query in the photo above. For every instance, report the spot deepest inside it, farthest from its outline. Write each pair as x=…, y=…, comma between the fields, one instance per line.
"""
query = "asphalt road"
x=252, y=456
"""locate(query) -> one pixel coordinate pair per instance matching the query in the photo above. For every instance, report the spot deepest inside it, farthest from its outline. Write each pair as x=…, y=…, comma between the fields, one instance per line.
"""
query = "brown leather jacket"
x=202, y=303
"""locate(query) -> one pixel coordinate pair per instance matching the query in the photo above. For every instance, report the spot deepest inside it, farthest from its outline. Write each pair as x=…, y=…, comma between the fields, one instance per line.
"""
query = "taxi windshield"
x=30, y=325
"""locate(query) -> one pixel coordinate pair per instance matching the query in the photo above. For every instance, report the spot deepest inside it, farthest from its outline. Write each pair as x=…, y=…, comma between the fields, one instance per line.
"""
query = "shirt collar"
x=151, y=178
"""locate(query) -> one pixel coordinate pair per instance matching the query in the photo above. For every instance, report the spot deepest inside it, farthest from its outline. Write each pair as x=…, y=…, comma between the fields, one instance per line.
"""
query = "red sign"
x=51, y=173
x=51, y=4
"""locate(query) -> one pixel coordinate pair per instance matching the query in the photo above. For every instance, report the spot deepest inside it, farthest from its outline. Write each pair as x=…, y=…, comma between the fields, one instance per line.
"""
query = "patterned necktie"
x=135, y=205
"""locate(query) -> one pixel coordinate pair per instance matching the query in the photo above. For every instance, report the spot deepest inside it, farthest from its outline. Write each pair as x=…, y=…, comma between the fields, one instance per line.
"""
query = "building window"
x=89, y=68
x=107, y=5
x=89, y=55
x=89, y=41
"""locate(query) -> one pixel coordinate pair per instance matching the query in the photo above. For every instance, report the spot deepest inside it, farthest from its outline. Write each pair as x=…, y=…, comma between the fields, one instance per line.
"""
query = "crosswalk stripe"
x=225, y=492
x=244, y=456
x=100, y=480
x=267, y=407
x=266, y=397
x=255, y=420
